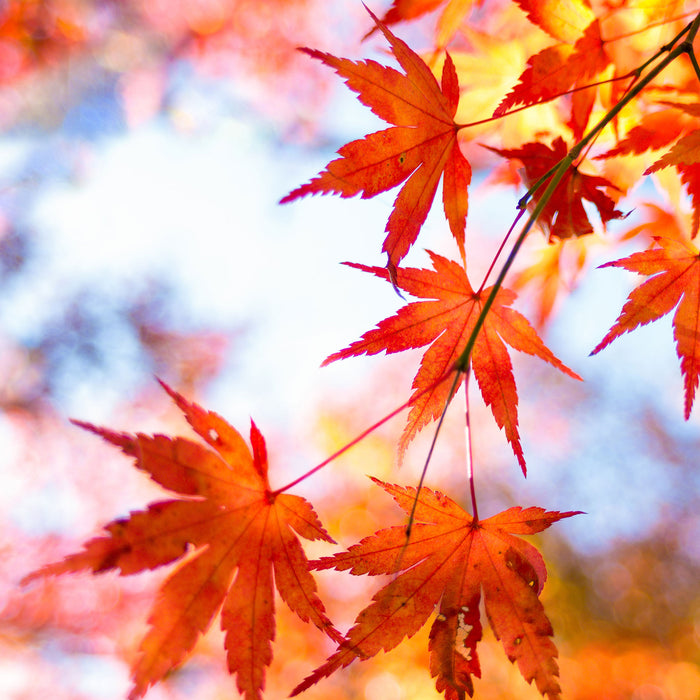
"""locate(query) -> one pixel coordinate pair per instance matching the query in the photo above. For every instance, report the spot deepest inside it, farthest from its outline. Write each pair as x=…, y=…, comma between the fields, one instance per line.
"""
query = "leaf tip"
x=259, y=449
x=178, y=398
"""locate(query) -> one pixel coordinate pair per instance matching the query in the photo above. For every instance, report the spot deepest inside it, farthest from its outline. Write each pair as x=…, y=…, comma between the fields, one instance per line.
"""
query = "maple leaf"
x=685, y=156
x=450, y=18
x=556, y=70
x=450, y=559
x=420, y=148
x=237, y=526
x=675, y=122
x=653, y=130
x=446, y=322
x=675, y=270
x=556, y=267
x=564, y=20
x=564, y=215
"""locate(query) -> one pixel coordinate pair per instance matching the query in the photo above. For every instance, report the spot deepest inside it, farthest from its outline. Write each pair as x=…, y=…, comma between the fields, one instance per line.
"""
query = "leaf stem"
x=500, y=250
x=366, y=432
x=652, y=25
x=411, y=515
x=470, y=458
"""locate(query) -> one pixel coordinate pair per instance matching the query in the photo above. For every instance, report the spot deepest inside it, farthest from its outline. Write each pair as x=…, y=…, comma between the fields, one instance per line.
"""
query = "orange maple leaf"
x=449, y=560
x=677, y=122
x=446, y=322
x=555, y=268
x=564, y=216
x=564, y=20
x=451, y=17
x=556, y=70
x=236, y=525
x=675, y=267
x=685, y=156
x=654, y=130
x=420, y=148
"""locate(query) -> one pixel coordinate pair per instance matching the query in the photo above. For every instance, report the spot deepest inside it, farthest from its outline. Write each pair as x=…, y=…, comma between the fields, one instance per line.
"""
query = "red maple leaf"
x=449, y=560
x=450, y=18
x=564, y=216
x=402, y=10
x=446, y=322
x=241, y=532
x=675, y=281
x=420, y=148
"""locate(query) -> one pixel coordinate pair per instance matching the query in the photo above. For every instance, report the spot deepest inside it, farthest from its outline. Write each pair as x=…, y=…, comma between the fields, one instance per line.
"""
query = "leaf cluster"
x=610, y=100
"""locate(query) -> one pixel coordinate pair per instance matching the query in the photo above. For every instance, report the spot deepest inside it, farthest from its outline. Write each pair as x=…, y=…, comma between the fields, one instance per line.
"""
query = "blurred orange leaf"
x=402, y=10
x=555, y=268
x=564, y=20
x=451, y=17
x=36, y=33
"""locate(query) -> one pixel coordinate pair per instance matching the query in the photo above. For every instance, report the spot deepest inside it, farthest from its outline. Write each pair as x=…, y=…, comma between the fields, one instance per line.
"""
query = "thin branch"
x=653, y=25
x=694, y=63
x=500, y=250
x=635, y=75
x=366, y=432
x=470, y=459
x=411, y=516
x=559, y=172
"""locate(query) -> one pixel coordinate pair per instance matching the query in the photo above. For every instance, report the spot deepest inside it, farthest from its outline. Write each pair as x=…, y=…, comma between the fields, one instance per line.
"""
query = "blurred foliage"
x=626, y=614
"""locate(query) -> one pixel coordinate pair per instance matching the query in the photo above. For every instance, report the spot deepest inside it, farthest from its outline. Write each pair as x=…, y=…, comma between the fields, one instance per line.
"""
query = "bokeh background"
x=144, y=146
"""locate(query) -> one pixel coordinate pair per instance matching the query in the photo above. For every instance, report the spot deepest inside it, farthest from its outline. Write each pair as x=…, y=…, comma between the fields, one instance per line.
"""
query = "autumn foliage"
x=603, y=98
x=242, y=531
x=421, y=148
x=446, y=563
x=445, y=323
